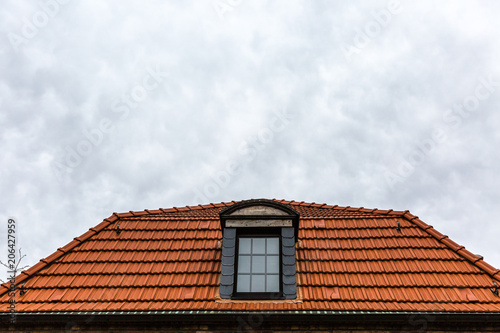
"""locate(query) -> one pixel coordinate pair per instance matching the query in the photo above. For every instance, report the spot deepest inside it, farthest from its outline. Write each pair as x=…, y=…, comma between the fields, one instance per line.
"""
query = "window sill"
x=258, y=296
x=218, y=299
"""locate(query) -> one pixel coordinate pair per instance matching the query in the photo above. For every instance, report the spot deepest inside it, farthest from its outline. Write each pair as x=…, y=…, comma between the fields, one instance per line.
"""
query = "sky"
x=130, y=105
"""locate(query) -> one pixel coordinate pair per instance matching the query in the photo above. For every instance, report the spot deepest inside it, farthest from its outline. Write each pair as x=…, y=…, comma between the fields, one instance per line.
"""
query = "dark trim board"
x=246, y=321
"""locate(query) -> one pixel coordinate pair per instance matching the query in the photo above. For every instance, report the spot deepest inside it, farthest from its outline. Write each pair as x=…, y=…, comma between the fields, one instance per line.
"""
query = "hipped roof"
x=348, y=259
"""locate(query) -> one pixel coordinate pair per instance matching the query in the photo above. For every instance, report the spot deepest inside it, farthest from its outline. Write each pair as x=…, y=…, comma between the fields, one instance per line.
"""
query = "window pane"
x=273, y=245
x=273, y=283
x=258, y=283
x=258, y=264
x=244, y=264
x=259, y=245
x=273, y=264
x=245, y=244
x=243, y=283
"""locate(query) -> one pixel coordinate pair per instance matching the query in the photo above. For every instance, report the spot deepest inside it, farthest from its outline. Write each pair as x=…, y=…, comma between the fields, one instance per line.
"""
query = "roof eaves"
x=277, y=312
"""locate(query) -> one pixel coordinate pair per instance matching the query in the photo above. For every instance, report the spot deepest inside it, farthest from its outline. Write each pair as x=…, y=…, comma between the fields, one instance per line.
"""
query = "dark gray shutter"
x=288, y=263
x=227, y=270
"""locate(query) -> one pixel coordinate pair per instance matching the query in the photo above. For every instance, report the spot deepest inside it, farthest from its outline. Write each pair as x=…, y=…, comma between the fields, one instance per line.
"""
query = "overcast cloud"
x=126, y=105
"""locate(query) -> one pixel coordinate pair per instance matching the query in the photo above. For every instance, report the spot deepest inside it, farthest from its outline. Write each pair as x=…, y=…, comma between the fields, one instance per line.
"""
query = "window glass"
x=273, y=283
x=258, y=284
x=273, y=246
x=259, y=246
x=258, y=264
x=273, y=264
x=245, y=246
x=243, y=283
x=244, y=264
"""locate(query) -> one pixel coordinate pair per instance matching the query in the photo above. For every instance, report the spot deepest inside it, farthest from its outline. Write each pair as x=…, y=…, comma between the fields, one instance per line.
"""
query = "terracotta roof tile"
x=348, y=258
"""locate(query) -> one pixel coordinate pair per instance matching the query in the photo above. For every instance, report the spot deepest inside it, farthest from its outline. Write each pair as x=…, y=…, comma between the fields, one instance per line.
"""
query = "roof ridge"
x=283, y=201
x=472, y=258
x=346, y=208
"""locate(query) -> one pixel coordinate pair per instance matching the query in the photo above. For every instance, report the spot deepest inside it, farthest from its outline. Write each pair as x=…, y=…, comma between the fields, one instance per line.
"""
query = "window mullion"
x=251, y=266
x=265, y=264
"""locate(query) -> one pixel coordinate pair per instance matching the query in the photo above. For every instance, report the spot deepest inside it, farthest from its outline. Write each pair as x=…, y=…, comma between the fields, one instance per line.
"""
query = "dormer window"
x=258, y=251
x=258, y=265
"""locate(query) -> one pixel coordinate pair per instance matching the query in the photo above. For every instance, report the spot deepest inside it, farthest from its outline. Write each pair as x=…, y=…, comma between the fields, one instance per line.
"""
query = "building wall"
x=244, y=323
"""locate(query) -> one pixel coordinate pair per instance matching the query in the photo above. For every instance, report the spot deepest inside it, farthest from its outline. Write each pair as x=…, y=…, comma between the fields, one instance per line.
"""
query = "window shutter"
x=288, y=263
x=227, y=270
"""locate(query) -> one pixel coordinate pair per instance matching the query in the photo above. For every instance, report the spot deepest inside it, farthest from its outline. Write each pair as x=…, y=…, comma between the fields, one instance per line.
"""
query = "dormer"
x=258, y=250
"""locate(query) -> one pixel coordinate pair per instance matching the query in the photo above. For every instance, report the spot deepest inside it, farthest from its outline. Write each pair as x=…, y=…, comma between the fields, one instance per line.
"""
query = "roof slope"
x=348, y=259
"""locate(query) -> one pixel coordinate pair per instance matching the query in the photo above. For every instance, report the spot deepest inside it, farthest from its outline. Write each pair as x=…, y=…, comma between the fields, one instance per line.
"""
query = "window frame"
x=272, y=232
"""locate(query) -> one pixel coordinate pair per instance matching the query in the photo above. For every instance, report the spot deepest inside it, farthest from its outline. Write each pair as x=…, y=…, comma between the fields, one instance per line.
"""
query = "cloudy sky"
x=126, y=105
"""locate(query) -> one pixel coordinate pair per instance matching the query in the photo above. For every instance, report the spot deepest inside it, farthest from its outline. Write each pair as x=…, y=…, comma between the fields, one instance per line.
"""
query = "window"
x=258, y=265
x=258, y=251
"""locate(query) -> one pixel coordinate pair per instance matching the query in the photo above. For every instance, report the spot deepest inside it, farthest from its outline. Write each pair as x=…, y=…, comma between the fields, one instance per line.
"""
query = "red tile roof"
x=348, y=259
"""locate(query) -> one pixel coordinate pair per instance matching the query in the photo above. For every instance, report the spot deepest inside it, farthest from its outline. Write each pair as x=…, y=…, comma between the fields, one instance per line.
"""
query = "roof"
x=348, y=259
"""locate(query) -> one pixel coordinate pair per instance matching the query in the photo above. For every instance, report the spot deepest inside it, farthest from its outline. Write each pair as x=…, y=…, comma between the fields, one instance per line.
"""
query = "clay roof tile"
x=347, y=258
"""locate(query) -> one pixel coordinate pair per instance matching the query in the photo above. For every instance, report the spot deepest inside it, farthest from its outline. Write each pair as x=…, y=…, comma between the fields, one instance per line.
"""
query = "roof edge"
x=474, y=259
x=60, y=252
